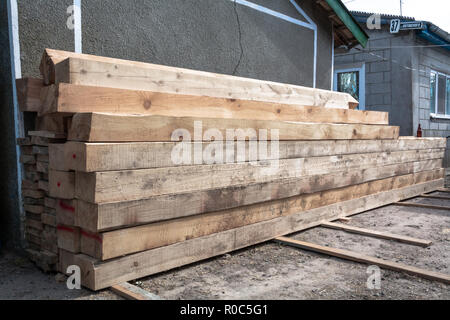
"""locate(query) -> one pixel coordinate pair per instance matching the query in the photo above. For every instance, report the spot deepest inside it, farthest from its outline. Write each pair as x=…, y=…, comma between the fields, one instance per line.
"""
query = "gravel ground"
x=275, y=271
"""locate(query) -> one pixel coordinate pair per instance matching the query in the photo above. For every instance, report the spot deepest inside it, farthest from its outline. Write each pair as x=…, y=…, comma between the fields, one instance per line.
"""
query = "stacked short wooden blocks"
x=126, y=207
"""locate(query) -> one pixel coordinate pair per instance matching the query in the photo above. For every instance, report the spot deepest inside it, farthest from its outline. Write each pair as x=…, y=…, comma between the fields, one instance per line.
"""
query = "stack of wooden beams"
x=40, y=219
x=125, y=209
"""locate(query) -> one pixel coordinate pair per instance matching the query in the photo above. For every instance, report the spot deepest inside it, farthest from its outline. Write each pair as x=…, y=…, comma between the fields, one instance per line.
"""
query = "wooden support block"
x=88, y=157
x=32, y=201
x=129, y=185
x=68, y=238
x=24, y=141
x=132, y=292
x=358, y=257
x=34, y=224
x=33, y=176
x=70, y=99
x=40, y=150
x=102, y=127
x=116, y=243
x=42, y=167
x=38, y=209
x=377, y=234
x=30, y=184
x=43, y=185
x=113, y=215
x=48, y=219
x=420, y=205
x=27, y=159
x=35, y=194
x=28, y=94
x=47, y=134
x=59, y=66
x=61, y=184
x=50, y=202
x=97, y=275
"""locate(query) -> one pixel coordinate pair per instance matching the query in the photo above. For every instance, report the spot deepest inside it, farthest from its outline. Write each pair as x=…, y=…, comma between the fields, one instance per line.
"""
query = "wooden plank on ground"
x=97, y=275
x=358, y=257
x=377, y=234
x=421, y=205
x=82, y=156
x=433, y=197
x=69, y=99
x=131, y=292
x=81, y=69
x=129, y=185
x=120, y=242
x=113, y=215
x=28, y=94
x=101, y=127
x=47, y=134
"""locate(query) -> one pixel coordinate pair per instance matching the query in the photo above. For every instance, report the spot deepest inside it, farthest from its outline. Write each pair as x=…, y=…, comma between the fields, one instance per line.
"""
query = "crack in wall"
x=240, y=38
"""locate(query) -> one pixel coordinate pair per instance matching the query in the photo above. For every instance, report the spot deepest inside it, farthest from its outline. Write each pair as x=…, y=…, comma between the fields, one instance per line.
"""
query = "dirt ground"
x=275, y=271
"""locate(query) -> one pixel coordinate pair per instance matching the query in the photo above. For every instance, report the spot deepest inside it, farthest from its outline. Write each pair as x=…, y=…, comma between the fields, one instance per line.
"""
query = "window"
x=439, y=94
x=351, y=81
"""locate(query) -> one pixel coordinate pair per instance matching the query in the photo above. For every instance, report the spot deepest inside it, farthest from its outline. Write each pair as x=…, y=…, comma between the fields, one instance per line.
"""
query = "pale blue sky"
x=435, y=11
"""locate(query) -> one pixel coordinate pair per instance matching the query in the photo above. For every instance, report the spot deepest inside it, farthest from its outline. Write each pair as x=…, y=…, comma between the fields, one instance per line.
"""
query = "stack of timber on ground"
x=39, y=208
x=127, y=208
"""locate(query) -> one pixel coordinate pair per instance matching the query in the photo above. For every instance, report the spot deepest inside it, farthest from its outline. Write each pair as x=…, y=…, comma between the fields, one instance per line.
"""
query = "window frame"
x=362, y=82
x=436, y=93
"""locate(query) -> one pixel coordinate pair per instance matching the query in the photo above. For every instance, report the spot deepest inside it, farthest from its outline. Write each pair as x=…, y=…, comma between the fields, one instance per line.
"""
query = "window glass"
x=349, y=82
x=433, y=92
x=441, y=93
x=447, y=105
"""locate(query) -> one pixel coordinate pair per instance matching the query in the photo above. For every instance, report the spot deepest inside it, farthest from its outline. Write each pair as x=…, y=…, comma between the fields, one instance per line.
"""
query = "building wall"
x=388, y=75
x=210, y=35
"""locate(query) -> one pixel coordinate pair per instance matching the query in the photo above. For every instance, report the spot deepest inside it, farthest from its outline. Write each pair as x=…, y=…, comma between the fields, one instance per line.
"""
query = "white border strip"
x=275, y=13
x=77, y=26
x=16, y=72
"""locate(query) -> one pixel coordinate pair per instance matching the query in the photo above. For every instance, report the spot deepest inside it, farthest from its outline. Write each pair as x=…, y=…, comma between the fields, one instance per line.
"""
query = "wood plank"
x=88, y=157
x=97, y=275
x=47, y=134
x=70, y=99
x=42, y=167
x=131, y=292
x=113, y=215
x=115, y=243
x=27, y=159
x=24, y=141
x=443, y=190
x=144, y=183
x=433, y=197
x=67, y=66
x=101, y=127
x=38, y=209
x=35, y=194
x=61, y=184
x=43, y=185
x=362, y=258
x=420, y=205
x=377, y=234
x=66, y=212
x=28, y=94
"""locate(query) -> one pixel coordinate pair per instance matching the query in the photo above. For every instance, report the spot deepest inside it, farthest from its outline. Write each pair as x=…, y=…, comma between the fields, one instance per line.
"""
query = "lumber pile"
x=129, y=199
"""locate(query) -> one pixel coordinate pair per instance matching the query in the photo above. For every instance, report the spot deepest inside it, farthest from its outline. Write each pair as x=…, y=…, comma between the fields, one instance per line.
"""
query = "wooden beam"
x=443, y=190
x=111, y=186
x=69, y=99
x=433, y=197
x=90, y=70
x=97, y=275
x=131, y=292
x=420, y=205
x=120, y=242
x=377, y=234
x=47, y=134
x=28, y=94
x=102, y=127
x=88, y=157
x=358, y=257
x=113, y=215
x=61, y=184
